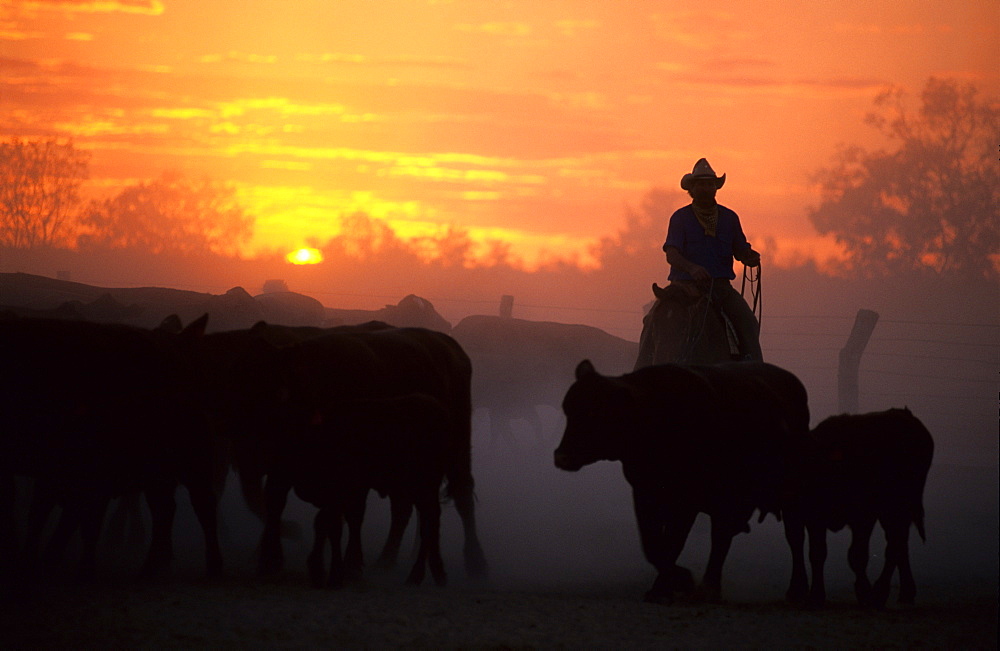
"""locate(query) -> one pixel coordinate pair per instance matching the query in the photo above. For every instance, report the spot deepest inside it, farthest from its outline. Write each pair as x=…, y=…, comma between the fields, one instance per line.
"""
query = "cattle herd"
x=90, y=412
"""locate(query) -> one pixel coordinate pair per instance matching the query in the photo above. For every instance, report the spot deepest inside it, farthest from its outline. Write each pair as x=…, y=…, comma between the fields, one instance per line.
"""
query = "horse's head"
x=679, y=295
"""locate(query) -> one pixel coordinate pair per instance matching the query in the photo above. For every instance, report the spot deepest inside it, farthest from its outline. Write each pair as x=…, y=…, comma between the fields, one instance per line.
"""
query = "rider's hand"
x=751, y=258
x=699, y=272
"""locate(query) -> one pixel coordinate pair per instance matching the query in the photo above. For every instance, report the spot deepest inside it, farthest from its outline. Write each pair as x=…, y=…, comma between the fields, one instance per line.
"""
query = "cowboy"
x=703, y=238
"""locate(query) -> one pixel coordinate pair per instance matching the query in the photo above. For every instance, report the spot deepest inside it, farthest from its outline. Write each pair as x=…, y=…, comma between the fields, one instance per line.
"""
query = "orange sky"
x=534, y=122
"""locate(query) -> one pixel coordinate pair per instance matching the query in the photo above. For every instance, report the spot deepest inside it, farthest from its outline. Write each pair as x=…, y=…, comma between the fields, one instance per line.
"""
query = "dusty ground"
x=247, y=613
x=566, y=572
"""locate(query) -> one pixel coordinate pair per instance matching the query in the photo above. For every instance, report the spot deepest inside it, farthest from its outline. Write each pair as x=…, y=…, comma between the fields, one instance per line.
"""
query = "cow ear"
x=171, y=324
x=585, y=369
x=196, y=328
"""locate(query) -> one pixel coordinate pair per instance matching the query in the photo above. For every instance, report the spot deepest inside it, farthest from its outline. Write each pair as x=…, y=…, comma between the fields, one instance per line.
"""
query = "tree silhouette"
x=929, y=205
x=170, y=214
x=39, y=191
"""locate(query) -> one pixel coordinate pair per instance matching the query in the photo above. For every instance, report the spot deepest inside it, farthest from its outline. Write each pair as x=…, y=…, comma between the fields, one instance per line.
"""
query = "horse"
x=685, y=328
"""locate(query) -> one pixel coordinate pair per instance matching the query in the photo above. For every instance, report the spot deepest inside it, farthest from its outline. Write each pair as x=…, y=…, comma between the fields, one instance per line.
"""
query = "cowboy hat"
x=702, y=170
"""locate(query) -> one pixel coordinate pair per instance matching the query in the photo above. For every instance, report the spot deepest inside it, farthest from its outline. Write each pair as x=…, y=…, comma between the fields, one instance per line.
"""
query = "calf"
x=859, y=470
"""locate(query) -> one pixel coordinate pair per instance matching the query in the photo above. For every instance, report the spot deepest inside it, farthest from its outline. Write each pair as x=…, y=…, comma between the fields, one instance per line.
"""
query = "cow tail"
x=459, y=475
x=918, y=506
x=918, y=520
x=461, y=486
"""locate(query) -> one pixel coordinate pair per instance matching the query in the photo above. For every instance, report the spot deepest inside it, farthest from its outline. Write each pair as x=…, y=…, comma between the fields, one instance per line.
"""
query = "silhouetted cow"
x=521, y=365
x=708, y=439
x=283, y=374
x=411, y=312
x=859, y=470
x=396, y=446
x=90, y=411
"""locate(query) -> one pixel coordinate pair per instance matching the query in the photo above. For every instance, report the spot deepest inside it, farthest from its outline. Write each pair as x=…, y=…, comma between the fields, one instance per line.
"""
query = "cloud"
x=696, y=29
x=422, y=61
x=141, y=7
x=14, y=34
x=241, y=57
x=571, y=28
x=710, y=76
x=496, y=29
x=898, y=29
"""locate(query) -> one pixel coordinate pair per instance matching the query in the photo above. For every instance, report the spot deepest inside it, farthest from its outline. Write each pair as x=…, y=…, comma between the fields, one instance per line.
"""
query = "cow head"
x=599, y=411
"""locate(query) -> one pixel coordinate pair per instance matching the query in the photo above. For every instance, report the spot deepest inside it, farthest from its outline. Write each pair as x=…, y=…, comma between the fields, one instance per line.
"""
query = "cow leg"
x=354, y=513
x=43, y=501
x=475, y=560
x=429, y=510
x=8, y=529
x=334, y=525
x=161, y=499
x=205, y=503
x=896, y=549
x=722, y=539
x=315, y=562
x=795, y=535
x=91, y=522
x=275, y=498
x=68, y=522
x=401, y=510
x=663, y=537
x=857, y=557
x=907, y=586
x=125, y=525
x=817, y=560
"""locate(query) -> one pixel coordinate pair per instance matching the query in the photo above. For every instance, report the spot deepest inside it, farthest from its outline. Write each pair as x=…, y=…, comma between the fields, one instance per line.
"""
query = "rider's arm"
x=676, y=259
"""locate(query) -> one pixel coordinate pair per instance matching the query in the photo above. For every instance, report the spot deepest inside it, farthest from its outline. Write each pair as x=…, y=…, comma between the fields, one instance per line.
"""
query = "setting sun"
x=305, y=256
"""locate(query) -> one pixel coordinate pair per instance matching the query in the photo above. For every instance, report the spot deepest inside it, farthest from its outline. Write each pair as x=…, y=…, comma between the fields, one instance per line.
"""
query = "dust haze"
x=550, y=532
x=933, y=351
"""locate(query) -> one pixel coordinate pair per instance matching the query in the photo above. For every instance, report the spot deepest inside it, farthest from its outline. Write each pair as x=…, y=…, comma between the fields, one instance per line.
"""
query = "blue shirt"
x=714, y=253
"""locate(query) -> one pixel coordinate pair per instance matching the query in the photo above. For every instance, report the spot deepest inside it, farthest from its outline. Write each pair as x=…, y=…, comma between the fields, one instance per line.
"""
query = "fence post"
x=850, y=360
x=506, y=306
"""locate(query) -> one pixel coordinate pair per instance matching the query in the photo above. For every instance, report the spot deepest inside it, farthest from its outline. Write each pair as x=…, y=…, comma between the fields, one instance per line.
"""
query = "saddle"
x=688, y=296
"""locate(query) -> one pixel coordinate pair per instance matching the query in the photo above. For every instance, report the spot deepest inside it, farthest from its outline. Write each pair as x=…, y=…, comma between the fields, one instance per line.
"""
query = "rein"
x=693, y=338
x=756, y=291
